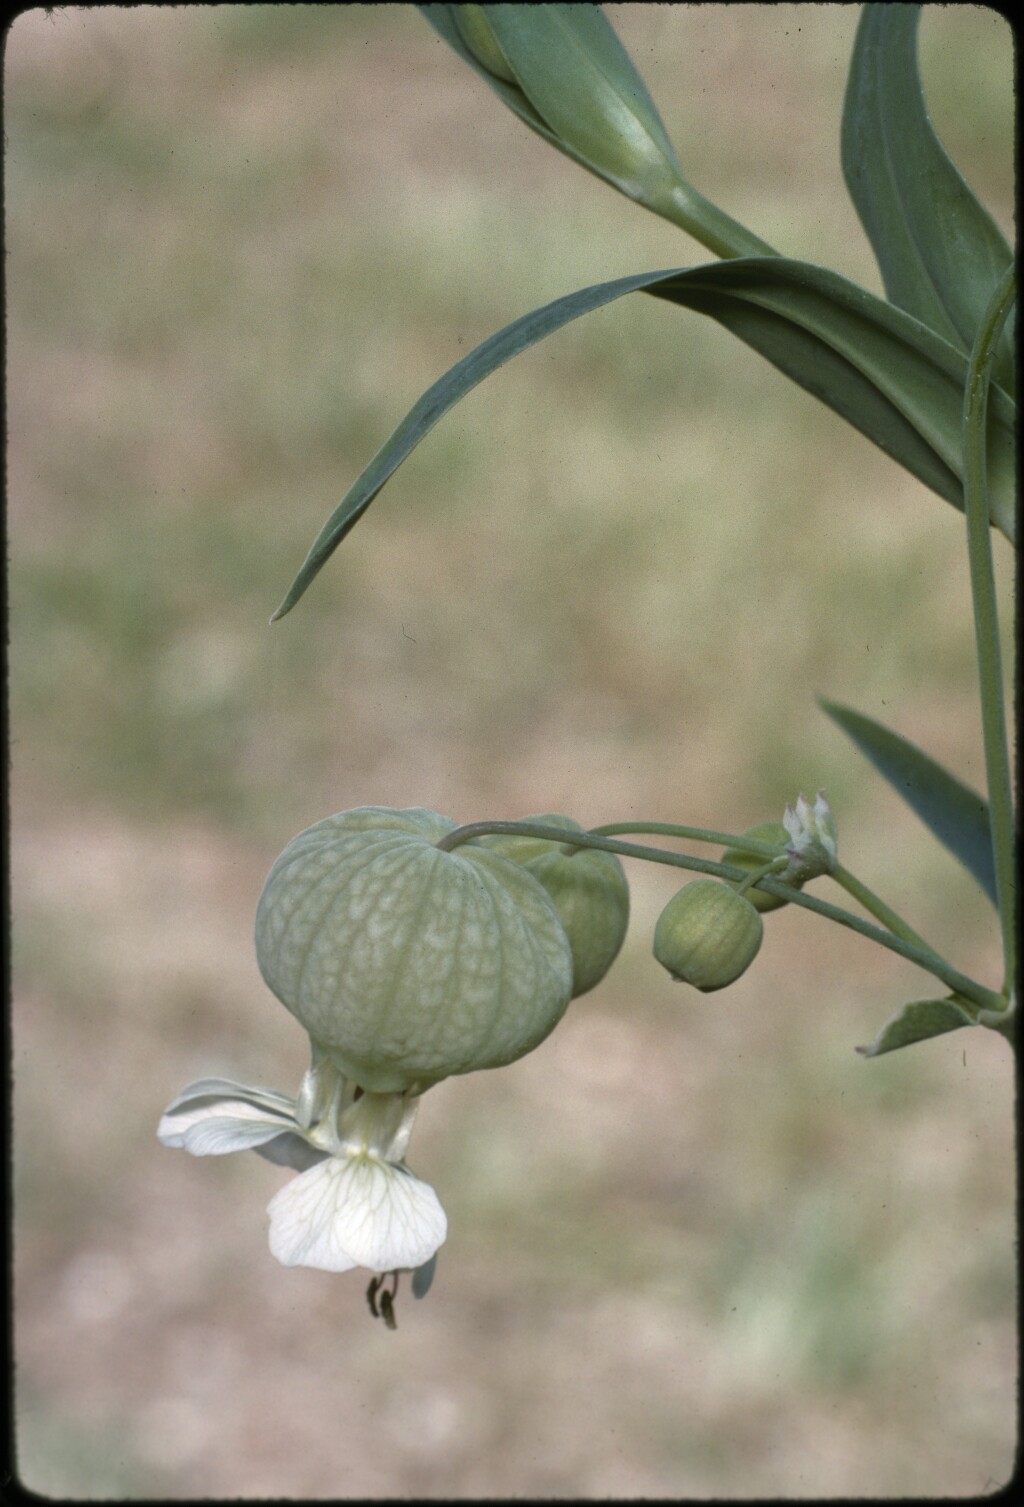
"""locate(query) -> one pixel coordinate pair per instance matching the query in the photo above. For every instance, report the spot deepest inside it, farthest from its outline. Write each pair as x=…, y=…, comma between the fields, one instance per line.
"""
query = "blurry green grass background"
x=697, y=1245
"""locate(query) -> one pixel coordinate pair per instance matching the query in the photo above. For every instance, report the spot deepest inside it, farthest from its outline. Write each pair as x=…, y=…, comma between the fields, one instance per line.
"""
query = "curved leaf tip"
x=954, y=813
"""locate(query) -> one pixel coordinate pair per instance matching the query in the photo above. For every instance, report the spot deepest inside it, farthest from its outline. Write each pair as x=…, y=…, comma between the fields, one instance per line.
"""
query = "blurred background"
x=698, y=1247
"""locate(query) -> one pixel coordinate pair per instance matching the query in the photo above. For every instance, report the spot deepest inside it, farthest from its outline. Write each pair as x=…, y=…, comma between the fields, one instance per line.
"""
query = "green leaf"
x=939, y=250
x=955, y=814
x=917, y=1022
x=893, y=379
x=572, y=81
x=435, y=403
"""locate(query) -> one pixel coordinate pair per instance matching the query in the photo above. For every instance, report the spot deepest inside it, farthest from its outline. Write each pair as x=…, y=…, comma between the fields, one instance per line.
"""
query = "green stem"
x=877, y=907
x=708, y=224
x=754, y=877
x=930, y=961
x=872, y=903
x=1006, y=1027
x=986, y=619
x=752, y=845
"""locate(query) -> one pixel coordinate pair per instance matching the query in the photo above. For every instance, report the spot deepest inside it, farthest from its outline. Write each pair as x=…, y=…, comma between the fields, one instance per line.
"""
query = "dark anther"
x=377, y=1290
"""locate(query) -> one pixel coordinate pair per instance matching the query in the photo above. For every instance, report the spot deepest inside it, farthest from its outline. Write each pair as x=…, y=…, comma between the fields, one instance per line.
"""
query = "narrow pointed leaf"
x=435, y=403
x=918, y=1022
x=939, y=250
x=955, y=814
x=894, y=380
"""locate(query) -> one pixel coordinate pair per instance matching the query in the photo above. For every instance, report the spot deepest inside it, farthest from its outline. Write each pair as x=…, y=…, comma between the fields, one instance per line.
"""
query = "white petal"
x=217, y=1136
x=379, y=1125
x=226, y=1089
x=792, y=824
x=825, y=825
x=356, y=1211
x=291, y=1149
x=214, y=1127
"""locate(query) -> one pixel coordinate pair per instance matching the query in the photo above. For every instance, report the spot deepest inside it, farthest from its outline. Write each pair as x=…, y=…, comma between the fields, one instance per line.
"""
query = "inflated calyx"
x=407, y=963
x=589, y=891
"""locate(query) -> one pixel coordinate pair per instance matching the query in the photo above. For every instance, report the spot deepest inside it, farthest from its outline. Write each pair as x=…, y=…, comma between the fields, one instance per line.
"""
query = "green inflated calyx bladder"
x=707, y=935
x=407, y=964
x=588, y=889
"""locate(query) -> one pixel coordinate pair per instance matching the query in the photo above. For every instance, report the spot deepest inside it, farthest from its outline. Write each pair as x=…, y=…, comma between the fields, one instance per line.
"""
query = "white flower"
x=355, y=1202
x=812, y=847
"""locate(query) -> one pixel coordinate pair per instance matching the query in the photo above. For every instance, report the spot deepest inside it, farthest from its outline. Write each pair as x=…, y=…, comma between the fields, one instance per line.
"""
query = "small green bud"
x=589, y=891
x=407, y=963
x=773, y=832
x=707, y=935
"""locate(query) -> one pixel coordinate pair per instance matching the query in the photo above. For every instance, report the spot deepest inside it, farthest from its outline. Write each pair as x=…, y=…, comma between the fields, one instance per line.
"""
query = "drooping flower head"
x=355, y=1202
x=406, y=963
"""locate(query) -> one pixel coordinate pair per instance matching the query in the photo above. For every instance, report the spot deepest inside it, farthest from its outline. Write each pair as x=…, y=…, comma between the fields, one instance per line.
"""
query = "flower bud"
x=564, y=72
x=407, y=963
x=589, y=891
x=773, y=832
x=475, y=30
x=813, y=840
x=707, y=935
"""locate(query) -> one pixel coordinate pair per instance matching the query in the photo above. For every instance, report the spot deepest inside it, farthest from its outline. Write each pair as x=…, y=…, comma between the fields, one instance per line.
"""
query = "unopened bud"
x=707, y=935
x=565, y=73
x=475, y=30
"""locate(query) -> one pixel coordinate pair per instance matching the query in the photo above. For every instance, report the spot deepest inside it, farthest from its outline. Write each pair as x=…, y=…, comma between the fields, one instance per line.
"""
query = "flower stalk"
x=688, y=209
x=986, y=618
x=925, y=957
x=875, y=906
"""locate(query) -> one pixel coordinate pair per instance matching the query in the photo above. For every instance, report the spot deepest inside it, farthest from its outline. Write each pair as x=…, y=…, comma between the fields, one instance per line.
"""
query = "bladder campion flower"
x=355, y=1202
x=405, y=963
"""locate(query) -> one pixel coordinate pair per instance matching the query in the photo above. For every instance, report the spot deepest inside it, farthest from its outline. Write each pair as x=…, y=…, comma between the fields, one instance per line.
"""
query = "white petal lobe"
x=212, y=1129
x=228, y=1091
x=356, y=1211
